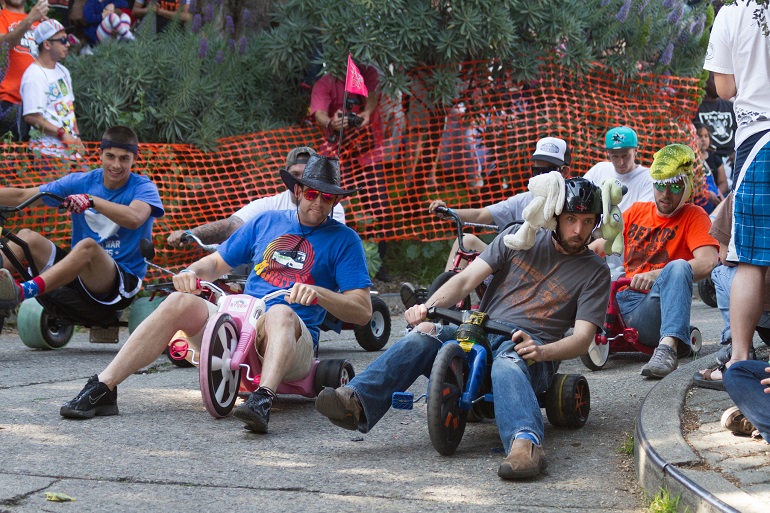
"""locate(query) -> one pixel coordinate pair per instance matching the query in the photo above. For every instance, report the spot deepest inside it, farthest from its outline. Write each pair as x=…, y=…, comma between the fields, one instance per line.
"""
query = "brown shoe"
x=733, y=420
x=525, y=460
x=340, y=406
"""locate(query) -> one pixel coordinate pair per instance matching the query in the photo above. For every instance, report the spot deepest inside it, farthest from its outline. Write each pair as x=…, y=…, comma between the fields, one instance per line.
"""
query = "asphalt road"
x=165, y=453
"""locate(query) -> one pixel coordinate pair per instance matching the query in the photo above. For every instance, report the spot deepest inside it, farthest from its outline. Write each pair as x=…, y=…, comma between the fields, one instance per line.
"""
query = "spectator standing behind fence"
x=105, y=20
x=713, y=170
x=361, y=150
x=621, y=144
x=17, y=31
x=48, y=99
x=165, y=10
x=718, y=114
x=739, y=55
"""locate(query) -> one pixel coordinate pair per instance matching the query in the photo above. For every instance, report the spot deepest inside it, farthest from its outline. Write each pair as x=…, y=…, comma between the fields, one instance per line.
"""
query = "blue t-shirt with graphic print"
x=282, y=252
x=121, y=243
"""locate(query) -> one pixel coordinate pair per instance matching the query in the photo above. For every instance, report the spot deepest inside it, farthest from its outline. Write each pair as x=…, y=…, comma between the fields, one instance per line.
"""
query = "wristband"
x=60, y=133
x=90, y=201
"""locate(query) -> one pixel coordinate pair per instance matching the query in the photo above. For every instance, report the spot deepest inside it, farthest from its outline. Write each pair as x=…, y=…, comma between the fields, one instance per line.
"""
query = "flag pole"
x=342, y=125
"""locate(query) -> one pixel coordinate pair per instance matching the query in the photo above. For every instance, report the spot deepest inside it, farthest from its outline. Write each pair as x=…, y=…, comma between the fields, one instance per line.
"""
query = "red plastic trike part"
x=178, y=349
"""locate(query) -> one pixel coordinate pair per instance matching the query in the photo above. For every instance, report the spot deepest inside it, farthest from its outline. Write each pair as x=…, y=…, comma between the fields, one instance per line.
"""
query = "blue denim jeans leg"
x=516, y=385
x=722, y=277
x=665, y=310
x=394, y=371
x=742, y=382
x=513, y=382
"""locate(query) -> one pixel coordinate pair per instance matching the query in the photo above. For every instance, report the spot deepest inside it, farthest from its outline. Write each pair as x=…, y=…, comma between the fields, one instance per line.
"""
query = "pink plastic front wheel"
x=219, y=384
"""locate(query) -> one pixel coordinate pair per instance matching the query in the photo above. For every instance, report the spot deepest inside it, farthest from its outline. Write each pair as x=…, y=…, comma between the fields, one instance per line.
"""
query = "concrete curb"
x=664, y=459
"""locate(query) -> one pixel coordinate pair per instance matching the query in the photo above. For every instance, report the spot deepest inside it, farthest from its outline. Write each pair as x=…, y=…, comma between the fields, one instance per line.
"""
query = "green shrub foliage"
x=207, y=80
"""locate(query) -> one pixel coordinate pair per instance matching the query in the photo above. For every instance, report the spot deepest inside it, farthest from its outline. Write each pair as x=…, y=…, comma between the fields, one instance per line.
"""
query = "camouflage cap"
x=299, y=155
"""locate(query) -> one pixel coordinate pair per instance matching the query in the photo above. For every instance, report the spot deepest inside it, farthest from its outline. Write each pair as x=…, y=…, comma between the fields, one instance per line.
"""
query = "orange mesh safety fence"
x=471, y=155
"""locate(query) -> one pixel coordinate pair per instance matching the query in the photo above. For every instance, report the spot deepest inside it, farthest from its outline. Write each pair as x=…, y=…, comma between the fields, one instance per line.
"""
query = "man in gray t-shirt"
x=541, y=290
x=551, y=154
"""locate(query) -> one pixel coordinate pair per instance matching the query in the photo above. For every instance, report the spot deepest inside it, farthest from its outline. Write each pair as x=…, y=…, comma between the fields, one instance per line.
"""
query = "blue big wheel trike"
x=460, y=384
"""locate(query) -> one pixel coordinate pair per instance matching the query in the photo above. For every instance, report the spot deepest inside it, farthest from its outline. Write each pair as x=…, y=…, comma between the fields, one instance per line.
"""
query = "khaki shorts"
x=303, y=360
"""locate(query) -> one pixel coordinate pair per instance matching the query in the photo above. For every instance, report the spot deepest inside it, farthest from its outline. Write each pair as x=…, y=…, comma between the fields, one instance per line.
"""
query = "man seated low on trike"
x=543, y=290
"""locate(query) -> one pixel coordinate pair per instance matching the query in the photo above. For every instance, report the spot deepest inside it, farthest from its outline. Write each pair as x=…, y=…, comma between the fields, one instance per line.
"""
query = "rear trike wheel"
x=40, y=330
x=374, y=335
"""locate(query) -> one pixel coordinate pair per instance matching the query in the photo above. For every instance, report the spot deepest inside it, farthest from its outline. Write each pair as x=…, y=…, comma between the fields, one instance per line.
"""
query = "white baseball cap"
x=553, y=150
x=47, y=29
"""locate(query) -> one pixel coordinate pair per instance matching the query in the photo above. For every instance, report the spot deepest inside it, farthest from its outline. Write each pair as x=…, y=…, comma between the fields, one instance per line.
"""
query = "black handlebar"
x=29, y=201
x=456, y=317
x=446, y=211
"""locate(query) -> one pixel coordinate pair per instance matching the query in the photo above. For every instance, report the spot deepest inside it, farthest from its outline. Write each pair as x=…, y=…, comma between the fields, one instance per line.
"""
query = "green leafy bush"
x=182, y=86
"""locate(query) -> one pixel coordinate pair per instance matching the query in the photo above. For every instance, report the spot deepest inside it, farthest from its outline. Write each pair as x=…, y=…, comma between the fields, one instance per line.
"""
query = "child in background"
x=105, y=19
x=713, y=167
x=114, y=25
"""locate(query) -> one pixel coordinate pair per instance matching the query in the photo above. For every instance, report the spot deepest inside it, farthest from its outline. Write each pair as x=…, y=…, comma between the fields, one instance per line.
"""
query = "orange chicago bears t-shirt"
x=20, y=56
x=652, y=240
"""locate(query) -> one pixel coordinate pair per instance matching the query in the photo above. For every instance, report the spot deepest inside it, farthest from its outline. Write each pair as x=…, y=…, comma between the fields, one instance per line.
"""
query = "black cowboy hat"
x=321, y=173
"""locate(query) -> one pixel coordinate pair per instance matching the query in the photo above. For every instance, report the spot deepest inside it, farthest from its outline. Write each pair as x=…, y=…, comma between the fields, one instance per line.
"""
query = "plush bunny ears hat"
x=548, y=203
x=550, y=191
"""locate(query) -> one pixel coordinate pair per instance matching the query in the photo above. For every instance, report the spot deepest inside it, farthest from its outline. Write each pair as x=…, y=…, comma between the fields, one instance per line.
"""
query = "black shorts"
x=120, y=296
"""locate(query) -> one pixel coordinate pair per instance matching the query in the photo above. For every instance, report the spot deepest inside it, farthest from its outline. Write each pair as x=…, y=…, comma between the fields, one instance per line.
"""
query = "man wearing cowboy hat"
x=303, y=250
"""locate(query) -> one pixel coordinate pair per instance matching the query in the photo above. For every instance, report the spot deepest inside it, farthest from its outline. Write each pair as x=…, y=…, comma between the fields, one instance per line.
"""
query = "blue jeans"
x=665, y=310
x=515, y=384
x=722, y=277
x=742, y=382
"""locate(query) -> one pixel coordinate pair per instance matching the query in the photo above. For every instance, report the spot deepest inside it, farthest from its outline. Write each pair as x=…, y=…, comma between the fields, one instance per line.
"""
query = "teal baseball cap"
x=621, y=137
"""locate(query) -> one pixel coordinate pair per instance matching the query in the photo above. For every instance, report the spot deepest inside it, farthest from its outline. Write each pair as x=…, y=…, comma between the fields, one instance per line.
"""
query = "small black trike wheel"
x=374, y=336
x=568, y=401
x=440, y=280
x=707, y=292
x=332, y=374
x=446, y=420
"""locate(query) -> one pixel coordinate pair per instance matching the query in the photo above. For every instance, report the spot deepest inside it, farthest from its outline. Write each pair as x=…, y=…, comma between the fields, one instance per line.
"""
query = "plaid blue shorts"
x=751, y=219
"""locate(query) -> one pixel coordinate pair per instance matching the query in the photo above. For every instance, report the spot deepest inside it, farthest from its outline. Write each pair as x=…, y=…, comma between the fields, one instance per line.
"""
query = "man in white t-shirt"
x=219, y=231
x=47, y=98
x=739, y=55
x=621, y=144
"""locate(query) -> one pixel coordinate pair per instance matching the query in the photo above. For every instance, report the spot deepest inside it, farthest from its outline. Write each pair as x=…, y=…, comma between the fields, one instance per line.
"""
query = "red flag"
x=354, y=81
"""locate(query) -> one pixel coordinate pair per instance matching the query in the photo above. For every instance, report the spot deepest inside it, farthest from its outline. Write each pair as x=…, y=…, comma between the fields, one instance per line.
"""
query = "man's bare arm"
x=211, y=233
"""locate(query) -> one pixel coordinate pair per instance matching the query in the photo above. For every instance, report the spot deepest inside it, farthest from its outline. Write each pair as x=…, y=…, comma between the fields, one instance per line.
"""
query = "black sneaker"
x=255, y=411
x=95, y=399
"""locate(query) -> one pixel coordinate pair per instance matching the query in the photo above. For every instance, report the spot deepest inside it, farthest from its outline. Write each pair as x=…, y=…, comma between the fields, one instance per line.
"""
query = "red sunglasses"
x=312, y=194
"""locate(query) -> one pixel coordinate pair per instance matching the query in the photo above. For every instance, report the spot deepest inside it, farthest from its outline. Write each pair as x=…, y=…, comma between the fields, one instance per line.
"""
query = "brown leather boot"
x=525, y=460
x=340, y=406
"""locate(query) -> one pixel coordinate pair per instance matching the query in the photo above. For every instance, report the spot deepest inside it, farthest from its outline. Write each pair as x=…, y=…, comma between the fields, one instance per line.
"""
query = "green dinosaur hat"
x=671, y=163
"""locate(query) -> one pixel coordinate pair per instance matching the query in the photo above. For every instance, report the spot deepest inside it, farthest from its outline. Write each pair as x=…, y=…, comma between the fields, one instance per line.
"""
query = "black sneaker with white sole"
x=255, y=411
x=95, y=399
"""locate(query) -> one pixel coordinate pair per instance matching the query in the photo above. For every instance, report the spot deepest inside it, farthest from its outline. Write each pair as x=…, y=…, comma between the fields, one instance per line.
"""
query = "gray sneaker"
x=662, y=363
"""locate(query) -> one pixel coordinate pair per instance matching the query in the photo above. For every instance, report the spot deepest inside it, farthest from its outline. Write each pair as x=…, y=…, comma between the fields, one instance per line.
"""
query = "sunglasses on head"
x=675, y=188
x=312, y=194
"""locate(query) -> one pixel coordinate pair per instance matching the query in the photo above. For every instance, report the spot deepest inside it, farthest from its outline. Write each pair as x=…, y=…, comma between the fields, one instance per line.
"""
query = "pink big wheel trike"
x=227, y=350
